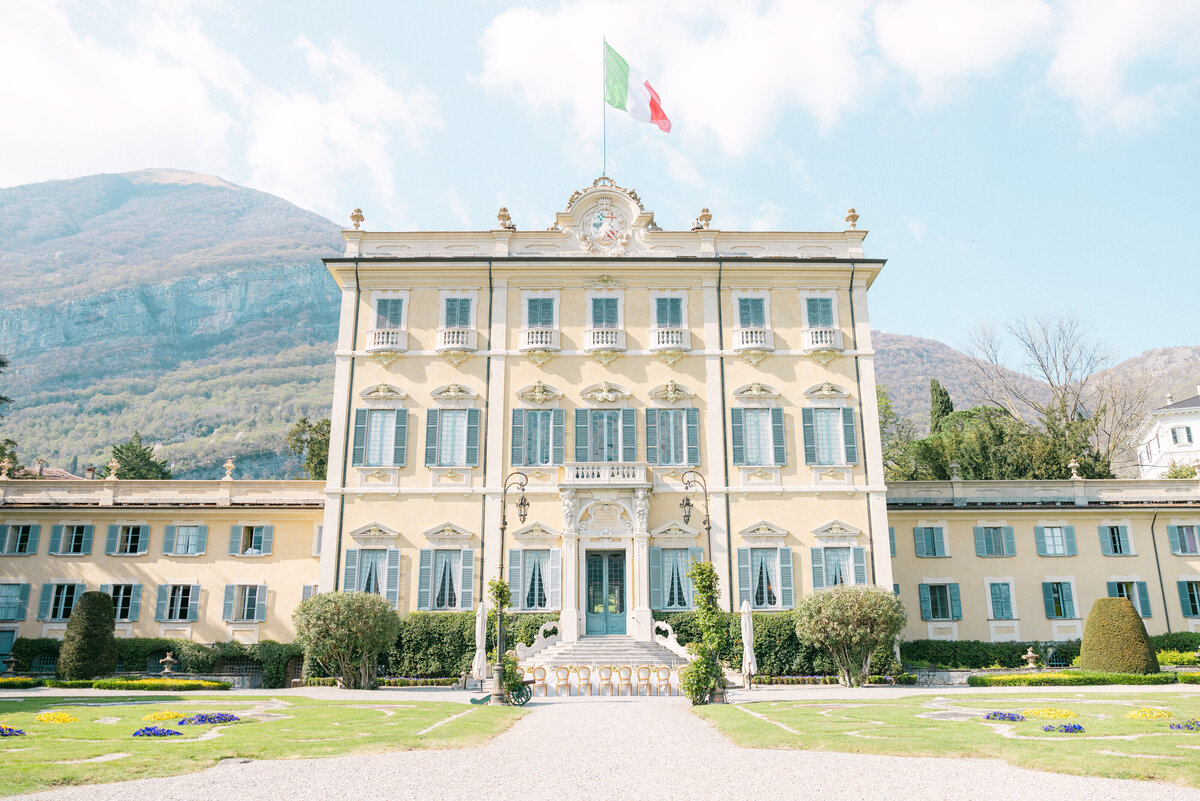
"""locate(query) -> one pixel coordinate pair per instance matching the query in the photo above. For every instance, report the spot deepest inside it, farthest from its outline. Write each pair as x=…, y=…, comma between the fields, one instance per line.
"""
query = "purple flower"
x=1009, y=716
x=156, y=731
x=1065, y=728
x=208, y=718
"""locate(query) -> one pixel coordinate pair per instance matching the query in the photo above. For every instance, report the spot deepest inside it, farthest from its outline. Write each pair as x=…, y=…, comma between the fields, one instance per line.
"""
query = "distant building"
x=1169, y=435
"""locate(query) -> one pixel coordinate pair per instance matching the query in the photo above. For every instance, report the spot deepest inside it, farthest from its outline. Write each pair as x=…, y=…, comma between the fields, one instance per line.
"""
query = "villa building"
x=1170, y=435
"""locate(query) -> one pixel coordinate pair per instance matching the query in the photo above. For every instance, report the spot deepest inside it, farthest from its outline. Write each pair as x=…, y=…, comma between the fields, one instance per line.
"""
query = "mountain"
x=177, y=304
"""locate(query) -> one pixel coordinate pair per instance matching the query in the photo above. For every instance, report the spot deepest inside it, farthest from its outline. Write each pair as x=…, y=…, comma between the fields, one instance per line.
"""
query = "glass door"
x=605, y=592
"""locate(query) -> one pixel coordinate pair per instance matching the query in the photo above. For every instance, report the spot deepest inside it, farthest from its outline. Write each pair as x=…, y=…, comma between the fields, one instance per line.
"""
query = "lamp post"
x=517, y=480
x=693, y=479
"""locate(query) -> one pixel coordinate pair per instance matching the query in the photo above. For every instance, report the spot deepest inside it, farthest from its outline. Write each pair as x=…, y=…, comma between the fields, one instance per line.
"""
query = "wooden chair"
x=605, y=679
x=584, y=673
x=624, y=678
x=539, y=680
x=664, y=680
x=562, y=678
x=643, y=680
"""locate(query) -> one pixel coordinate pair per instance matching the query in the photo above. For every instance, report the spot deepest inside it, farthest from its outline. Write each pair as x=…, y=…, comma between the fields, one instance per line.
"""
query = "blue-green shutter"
x=655, y=569
x=56, y=539
x=859, y=555
x=308, y=591
x=555, y=599
x=939, y=541
x=44, y=601
x=629, y=435
x=230, y=596
x=135, y=603
x=1143, y=596
x=472, y=438
x=926, y=606
x=1106, y=548
x=110, y=544
x=268, y=540
x=558, y=442
x=518, y=437
x=818, y=567
x=1185, y=600
x=392, y=587
x=400, y=440
x=582, y=431
x=1039, y=539
x=892, y=539
x=35, y=531
x=260, y=604
x=919, y=540
x=235, y=540
x=691, y=418
x=1068, y=601
x=1010, y=542
x=201, y=539
x=466, y=593
x=1123, y=537
x=738, y=435
x=652, y=437
x=516, y=593
x=980, y=542
x=1113, y=589
x=160, y=606
x=143, y=539
x=169, y=540
x=1069, y=537
x=106, y=589
x=1001, y=602
x=955, y=602
x=1048, y=599
x=350, y=571
x=808, y=424
x=787, y=591
x=1173, y=538
x=359, y=452
x=3, y=539
x=22, y=602
x=193, y=613
x=431, y=437
x=851, y=436
x=778, y=435
x=694, y=555
x=424, y=578
x=88, y=532
x=743, y=568
x=820, y=312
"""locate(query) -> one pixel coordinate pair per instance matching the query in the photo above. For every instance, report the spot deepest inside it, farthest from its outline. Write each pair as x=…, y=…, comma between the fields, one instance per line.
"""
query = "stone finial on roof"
x=702, y=221
x=113, y=466
x=5, y=466
x=505, y=219
x=852, y=218
x=1170, y=399
x=1074, y=465
x=229, y=465
x=357, y=217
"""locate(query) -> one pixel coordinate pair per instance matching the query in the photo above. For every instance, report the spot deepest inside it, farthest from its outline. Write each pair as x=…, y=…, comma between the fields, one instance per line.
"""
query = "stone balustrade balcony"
x=457, y=339
x=540, y=339
x=387, y=340
x=603, y=339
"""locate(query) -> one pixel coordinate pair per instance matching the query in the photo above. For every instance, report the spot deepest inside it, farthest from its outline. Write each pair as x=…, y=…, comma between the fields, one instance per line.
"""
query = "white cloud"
x=769, y=217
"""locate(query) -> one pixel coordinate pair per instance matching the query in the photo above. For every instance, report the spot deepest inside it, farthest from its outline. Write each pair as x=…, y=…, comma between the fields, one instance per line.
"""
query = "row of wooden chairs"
x=616, y=678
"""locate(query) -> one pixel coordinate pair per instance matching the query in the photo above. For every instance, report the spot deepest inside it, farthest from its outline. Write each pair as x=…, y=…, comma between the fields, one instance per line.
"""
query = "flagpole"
x=603, y=107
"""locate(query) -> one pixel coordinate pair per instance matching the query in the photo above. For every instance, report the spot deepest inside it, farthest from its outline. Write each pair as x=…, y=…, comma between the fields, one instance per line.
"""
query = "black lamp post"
x=517, y=480
x=693, y=479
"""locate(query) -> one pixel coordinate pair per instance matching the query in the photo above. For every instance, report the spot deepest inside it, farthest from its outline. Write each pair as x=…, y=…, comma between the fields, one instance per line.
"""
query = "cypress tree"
x=940, y=405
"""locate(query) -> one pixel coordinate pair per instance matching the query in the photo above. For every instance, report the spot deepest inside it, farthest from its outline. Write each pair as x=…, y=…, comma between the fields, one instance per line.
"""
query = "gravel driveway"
x=620, y=749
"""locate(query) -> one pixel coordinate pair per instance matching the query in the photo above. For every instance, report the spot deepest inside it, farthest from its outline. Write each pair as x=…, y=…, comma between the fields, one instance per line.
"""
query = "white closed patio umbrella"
x=479, y=665
x=749, y=663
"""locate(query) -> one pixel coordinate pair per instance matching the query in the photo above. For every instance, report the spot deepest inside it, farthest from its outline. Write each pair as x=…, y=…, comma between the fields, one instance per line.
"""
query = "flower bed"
x=1064, y=728
x=1076, y=678
x=175, y=685
x=9, y=731
x=156, y=731
x=166, y=714
x=1048, y=713
x=1011, y=717
x=1178, y=658
x=18, y=683
x=1149, y=713
x=1188, y=678
x=1187, y=725
x=209, y=718
x=56, y=717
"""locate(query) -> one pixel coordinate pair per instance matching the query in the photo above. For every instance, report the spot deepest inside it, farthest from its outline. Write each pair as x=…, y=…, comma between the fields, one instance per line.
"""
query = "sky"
x=1020, y=157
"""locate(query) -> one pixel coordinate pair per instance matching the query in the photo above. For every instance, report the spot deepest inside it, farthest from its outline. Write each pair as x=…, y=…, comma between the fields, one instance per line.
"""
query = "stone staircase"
x=609, y=650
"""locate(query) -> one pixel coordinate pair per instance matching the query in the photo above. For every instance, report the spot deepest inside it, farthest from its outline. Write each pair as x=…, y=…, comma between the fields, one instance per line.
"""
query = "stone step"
x=607, y=651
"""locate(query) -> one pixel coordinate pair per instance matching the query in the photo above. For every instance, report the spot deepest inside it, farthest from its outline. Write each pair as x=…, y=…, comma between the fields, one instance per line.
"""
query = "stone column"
x=568, y=619
x=642, y=619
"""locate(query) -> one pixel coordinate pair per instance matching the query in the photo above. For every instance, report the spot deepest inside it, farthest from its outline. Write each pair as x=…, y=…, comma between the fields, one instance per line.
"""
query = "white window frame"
x=532, y=294
x=252, y=554
x=182, y=616
x=373, y=412
x=655, y=294
x=447, y=294
x=116, y=600
x=124, y=524
x=240, y=595
x=805, y=294
x=949, y=618
x=1187, y=435
x=455, y=575
x=619, y=294
x=988, y=581
x=196, y=524
x=402, y=294
x=1195, y=526
x=945, y=527
x=12, y=524
x=738, y=294
x=526, y=572
x=60, y=586
x=66, y=526
x=774, y=578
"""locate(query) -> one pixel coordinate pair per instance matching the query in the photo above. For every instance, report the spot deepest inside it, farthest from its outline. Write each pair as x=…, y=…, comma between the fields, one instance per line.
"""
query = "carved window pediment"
x=837, y=530
x=454, y=392
x=537, y=392
x=383, y=395
x=826, y=391
x=448, y=535
x=536, y=534
x=671, y=392
x=604, y=392
x=374, y=532
x=763, y=533
x=675, y=534
x=755, y=393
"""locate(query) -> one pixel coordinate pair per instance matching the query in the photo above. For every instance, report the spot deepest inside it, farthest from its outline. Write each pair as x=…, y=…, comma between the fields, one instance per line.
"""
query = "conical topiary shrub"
x=89, y=648
x=1115, y=639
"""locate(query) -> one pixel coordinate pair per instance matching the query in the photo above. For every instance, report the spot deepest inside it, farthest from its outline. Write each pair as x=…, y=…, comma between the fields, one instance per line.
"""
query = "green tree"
x=344, y=634
x=897, y=435
x=8, y=447
x=136, y=461
x=310, y=441
x=704, y=677
x=1115, y=639
x=4, y=399
x=1183, y=470
x=849, y=623
x=89, y=647
x=940, y=405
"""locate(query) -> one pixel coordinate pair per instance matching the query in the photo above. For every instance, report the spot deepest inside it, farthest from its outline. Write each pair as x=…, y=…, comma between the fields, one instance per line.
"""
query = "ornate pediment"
x=755, y=392
x=836, y=529
x=373, y=532
x=536, y=533
x=604, y=282
x=764, y=533
x=826, y=390
x=454, y=392
x=537, y=392
x=671, y=392
x=675, y=533
x=448, y=535
x=383, y=394
x=606, y=219
x=604, y=392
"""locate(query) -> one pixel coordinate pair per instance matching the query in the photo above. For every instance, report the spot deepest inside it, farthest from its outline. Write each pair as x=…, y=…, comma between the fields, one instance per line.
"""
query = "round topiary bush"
x=1115, y=639
x=89, y=648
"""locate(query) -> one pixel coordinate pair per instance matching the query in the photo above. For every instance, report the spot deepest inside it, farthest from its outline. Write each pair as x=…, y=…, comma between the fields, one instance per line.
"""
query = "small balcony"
x=603, y=339
x=827, y=339
x=670, y=339
x=457, y=339
x=387, y=340
x=540, y=339
x=753, y=339
x=605, y=474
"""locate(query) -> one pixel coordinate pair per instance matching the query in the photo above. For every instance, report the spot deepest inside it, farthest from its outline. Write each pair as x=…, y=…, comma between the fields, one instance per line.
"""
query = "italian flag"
x=627, y=89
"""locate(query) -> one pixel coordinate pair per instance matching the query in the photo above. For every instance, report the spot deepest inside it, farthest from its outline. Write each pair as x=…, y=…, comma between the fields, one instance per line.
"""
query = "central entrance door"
x=605, y=592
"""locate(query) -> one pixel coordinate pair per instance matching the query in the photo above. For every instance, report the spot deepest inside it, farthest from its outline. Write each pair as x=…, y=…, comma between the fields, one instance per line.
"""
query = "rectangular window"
x=535, y=575
x=252, y=540
x=122, y=596
x=1114, y=541
x=381, y=437
x=179, y=599
x=604, y=312
x=21, y=540
x=992, y=541
x=1189, y=598
x=838, y=567
x=7, y=638
x=541, y=312
x=672, y=437
x=675, y=582
x=1186, y=538
x=452, y=438
x=10, y=602
x=445, y=578
x=752, y=313
x=764, y=583
x=371, y=566
x=538, y=434
x=187, y=540
x=1181, y=435
x=930, y=541
x=827, y=425
x=1001, y=594
x=668, y=312
x=820, y=312
x=760, y=443
x=604, y=435
x=246, y=603
x=63, y=601
x=74, y=540
x=1059, y=599
x=458, y=312
x=129, y=539
x=389, y=312
x=1056, y=541
x=939, y=602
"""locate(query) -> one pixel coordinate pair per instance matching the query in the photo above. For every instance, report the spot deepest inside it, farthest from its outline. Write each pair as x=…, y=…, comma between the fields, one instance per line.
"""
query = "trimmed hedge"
x=70, y=684
x=976, y=654
x=1115, y=639
x=89, y=647
x=1176, y=641
x=173, y=685
x=440, y=644
x=1176, y=658
x=1192, y=677
x=402, y=682
x=1072, y=678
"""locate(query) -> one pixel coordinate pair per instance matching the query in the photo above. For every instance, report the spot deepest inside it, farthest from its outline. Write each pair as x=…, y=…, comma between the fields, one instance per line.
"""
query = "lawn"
x=1111, y=745
x=99, y=747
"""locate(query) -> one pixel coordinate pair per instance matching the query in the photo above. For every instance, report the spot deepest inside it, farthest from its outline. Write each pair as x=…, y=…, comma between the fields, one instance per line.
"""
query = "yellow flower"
x=166, y=714
x=1149, y=713
x=1048, y=713
x=56, y=717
